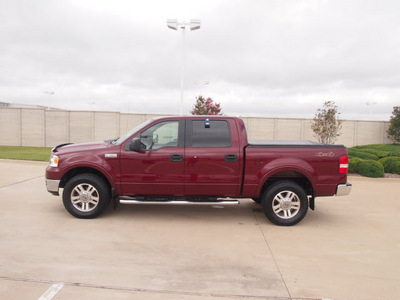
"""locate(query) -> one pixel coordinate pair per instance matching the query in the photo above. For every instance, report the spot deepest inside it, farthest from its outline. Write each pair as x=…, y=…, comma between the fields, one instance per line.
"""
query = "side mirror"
x=134, y=145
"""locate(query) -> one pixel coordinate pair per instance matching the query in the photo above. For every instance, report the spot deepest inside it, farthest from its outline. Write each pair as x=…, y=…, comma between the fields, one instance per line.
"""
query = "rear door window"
x=217, y=134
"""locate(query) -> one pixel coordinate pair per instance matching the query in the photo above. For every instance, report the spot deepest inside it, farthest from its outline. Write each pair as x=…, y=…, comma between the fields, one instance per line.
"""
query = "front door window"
x=164, y=134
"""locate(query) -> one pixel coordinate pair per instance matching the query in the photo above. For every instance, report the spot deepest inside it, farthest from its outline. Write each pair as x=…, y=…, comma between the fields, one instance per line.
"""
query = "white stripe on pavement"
x=52, y=291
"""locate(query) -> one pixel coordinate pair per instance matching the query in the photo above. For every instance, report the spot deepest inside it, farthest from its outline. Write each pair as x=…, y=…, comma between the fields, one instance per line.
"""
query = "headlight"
x=54, y=161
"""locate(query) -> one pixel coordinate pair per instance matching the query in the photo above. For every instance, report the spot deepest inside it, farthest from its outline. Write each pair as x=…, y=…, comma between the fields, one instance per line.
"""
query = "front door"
x=158, y=169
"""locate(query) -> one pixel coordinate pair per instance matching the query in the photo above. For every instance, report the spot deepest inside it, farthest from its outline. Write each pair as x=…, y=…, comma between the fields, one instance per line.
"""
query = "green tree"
x=326, y=124
x=206, y=107
x=393, y=131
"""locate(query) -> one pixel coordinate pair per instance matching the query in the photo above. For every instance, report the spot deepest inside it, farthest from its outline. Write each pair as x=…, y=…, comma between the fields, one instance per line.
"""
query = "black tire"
x=86, y=196
x=285, y=203
x=256, y=200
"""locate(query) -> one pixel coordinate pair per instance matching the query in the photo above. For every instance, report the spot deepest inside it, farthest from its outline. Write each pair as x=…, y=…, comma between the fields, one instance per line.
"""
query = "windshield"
x=128, y=134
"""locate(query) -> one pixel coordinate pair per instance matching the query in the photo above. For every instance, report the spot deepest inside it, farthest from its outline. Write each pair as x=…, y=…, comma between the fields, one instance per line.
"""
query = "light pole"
x=49, y=93
x=370, y=107
x=174, y=24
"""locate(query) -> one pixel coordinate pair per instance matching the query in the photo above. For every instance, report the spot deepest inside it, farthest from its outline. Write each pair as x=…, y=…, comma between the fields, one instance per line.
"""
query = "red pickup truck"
x=200, y=160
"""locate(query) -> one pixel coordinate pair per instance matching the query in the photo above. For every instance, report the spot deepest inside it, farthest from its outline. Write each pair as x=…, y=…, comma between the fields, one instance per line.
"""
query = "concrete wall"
x=48, y=128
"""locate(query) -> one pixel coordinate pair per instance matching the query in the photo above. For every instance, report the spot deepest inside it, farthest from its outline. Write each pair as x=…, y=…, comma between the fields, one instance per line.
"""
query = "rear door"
x=211, y=157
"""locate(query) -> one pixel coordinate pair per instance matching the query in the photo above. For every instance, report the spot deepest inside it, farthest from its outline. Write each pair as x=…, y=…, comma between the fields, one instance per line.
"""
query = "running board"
x=178, y=202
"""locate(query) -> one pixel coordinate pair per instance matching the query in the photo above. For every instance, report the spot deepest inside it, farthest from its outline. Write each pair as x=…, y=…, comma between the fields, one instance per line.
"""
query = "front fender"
x=97, y=163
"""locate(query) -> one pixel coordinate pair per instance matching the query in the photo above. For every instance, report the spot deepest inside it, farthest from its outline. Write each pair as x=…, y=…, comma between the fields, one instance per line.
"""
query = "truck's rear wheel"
x=285, y=203
x=86, y=196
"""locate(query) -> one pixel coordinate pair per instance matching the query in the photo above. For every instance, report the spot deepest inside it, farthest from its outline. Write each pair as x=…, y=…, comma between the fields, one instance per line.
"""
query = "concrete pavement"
x=347, y=248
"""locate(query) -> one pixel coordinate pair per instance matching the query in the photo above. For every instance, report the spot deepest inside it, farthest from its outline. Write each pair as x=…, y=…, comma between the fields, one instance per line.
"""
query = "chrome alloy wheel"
x=85, y=197
x=286, y=204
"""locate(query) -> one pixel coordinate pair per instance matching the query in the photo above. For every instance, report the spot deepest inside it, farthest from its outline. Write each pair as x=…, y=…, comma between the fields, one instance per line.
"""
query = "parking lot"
x=348, y=248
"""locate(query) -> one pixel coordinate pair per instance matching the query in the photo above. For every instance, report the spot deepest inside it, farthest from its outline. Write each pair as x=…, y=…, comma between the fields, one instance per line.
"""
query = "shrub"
x=361, y=154
x=378, y=153
x=391, y=164
x=394, y=150
x=370, y=168
x=205, y=106
x=353, y=164
x=393, y=131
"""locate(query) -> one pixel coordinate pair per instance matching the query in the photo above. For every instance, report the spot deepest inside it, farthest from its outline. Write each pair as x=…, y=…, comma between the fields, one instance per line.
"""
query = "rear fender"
x=286, y=168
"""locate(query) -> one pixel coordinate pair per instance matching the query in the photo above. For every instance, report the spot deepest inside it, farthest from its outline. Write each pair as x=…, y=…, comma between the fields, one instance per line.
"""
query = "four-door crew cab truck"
x=201, y=160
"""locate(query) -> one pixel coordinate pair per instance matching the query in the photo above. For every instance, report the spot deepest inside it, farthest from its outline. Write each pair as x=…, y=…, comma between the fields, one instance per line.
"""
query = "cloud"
x=271, y=58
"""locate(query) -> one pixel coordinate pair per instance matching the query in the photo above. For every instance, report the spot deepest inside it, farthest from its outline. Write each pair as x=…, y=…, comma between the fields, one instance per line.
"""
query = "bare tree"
x=326, y=124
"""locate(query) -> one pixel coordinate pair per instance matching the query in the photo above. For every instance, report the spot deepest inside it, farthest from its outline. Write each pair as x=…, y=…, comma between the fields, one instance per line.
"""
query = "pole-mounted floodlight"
x=194, y=24
x=172, y=23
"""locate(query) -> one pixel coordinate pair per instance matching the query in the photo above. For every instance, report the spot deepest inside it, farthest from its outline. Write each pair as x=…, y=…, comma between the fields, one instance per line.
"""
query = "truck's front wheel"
x=285, y=203
x=86, y=196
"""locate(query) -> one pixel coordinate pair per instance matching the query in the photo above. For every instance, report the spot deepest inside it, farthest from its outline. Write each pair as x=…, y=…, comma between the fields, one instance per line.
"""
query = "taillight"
x=344, y=165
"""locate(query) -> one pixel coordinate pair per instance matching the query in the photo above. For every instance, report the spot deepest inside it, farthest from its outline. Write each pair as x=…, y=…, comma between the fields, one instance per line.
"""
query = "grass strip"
x=25, y=153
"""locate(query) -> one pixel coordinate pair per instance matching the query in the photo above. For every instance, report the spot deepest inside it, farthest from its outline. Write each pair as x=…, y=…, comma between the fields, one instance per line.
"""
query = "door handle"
x=176, y=157
x=231, y=158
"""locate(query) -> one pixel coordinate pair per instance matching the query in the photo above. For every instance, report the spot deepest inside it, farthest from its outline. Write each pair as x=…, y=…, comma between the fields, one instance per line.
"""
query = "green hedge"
x=394, y=150
x=378, y=153
x=391, y=164
x=361, y=154
x=370, y=168
x=374, y=160
x=353, y=164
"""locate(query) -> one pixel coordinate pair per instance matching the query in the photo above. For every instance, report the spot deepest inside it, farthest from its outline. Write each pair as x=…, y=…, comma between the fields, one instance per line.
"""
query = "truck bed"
x=284, y=143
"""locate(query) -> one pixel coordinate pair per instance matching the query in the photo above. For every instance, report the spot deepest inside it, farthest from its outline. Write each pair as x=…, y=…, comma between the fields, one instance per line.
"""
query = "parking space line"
x=272, y=254
x=177, y=293
x=22, y=181
x=52, y=291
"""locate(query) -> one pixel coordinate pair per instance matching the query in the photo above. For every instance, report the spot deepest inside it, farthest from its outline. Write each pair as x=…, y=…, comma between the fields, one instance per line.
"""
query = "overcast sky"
x=261, y=58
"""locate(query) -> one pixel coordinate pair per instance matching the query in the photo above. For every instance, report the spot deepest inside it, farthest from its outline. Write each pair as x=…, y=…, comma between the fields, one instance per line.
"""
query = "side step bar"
x=179, y=202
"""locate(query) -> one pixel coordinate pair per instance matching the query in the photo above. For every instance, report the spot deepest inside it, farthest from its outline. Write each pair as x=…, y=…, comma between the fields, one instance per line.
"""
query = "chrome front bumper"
x=343, y=189
x=52, y=186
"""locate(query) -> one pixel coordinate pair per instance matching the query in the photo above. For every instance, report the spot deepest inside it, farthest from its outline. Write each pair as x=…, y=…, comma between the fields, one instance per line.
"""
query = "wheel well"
x=293, y=176
x=81, y=170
